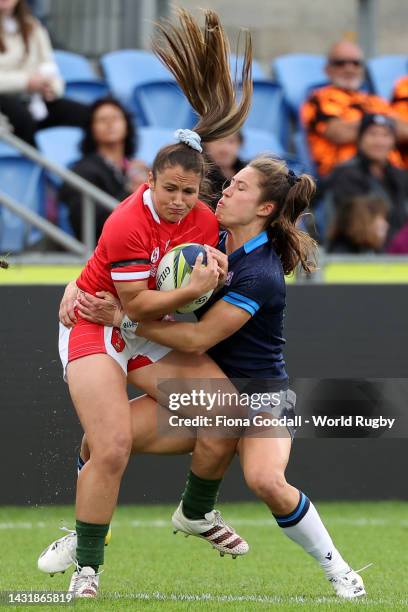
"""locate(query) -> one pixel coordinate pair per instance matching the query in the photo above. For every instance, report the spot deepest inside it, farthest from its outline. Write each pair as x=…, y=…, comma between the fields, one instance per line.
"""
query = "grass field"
x=148, y=568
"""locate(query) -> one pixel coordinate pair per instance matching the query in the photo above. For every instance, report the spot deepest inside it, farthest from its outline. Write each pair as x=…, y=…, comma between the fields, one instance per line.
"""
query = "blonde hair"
x=292, y=195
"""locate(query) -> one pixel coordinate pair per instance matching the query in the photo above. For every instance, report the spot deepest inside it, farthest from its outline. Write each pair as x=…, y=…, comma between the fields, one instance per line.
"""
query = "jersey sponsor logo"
x=155, y=255
x=117, y=341
x=229, y=278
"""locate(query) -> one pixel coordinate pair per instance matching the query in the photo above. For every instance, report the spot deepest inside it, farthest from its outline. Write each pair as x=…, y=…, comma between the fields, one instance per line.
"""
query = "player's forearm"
x=150, y=304
x=185, y=337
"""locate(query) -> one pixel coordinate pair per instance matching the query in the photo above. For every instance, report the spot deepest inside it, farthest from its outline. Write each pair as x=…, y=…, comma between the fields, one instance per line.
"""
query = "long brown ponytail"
x=199, y=60
x=292, y=194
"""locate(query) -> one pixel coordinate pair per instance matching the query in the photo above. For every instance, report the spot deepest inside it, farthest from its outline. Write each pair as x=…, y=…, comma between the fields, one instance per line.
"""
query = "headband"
x=190, y=138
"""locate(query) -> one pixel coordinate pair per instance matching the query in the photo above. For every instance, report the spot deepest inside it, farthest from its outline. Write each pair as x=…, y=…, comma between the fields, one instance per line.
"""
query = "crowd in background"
x=358, y=141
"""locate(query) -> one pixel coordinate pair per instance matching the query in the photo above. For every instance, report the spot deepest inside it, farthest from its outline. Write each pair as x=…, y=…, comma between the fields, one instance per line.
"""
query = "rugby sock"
x=90, y=545
x=305, y=527
x=199, y=496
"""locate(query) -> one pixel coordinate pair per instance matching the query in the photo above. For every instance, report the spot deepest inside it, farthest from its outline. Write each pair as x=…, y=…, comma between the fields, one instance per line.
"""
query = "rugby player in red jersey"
x=159, y=216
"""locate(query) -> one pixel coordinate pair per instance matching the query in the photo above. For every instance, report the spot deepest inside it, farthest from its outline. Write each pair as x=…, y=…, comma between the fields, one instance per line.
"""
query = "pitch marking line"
x=209, y=597
x=162, y=524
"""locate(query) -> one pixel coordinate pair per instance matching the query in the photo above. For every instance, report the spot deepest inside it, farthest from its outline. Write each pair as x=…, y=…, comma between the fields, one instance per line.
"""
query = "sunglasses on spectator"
x=340, y=63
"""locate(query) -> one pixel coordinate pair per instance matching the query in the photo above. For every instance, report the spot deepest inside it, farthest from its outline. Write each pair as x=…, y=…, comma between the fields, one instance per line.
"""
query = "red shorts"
x=87, y=338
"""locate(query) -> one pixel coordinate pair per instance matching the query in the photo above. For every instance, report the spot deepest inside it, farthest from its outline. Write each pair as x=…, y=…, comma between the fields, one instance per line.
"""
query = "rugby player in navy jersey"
x=242, y=330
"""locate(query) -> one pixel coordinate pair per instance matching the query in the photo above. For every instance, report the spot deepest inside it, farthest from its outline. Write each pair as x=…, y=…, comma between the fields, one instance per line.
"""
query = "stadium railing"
x=91, y=195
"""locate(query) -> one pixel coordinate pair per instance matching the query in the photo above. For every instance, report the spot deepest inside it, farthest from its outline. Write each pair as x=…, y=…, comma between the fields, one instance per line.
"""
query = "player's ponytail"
x=292, y=194
x=199, y=60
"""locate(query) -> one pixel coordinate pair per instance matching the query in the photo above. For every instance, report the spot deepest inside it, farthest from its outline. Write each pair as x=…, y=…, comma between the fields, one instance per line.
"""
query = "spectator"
x=108, y=148
x=224, y=160
x=333, y=113
x=400, y=107
x=371, y=172
x=31, y=88
x=399, y=244
x=360, y=226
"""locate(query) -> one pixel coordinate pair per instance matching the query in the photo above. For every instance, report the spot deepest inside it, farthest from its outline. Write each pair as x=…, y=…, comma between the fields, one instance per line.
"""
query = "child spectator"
x=360, y=226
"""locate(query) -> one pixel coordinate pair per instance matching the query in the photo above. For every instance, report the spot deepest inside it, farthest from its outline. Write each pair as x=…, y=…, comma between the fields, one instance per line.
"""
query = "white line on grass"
x=160, y=523
x=188, y=597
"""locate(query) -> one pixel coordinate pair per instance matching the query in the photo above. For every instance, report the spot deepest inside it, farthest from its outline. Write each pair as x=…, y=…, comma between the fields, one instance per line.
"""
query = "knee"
x=269, y=487
x=112, y=456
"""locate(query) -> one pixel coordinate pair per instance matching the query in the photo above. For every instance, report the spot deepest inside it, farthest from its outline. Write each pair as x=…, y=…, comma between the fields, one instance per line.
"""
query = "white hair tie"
x=190, y=138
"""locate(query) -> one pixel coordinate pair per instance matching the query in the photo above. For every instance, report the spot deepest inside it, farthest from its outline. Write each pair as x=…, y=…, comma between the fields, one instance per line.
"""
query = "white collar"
x=148, y=201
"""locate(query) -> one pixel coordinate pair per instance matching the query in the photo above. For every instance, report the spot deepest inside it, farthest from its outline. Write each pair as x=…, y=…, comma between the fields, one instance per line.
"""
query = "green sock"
x=199, y=496
x=91, y=543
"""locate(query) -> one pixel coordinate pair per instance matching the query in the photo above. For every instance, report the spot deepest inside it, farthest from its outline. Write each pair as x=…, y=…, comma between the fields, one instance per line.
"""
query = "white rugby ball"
x=175, y=269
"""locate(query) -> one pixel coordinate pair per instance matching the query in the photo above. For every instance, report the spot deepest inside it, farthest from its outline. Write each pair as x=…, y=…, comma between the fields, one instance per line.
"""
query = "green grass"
x=148, y=568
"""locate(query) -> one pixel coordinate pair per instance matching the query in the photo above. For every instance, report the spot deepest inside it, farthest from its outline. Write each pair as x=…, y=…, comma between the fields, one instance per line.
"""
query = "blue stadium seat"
x=127, y=68
x=296, y=72
x=269, y=111
x=236, y=62
x=257, y=142
x=81, y=81
x=162, y=104
x=86, y=91
x=151, y=139
x=7, y=150
x=60, y=145
x=384, y=71
x=74, y=67
x=302, y=152
x=22, y=180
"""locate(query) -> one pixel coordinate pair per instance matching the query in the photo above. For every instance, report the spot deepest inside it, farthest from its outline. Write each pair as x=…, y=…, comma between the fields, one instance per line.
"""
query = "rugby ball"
x=175, y=269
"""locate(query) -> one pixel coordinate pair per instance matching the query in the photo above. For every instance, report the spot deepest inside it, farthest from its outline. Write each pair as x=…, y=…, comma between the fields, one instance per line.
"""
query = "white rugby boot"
x=84, y=583
x=59, y=555
x=348, y=584
x=212, y=528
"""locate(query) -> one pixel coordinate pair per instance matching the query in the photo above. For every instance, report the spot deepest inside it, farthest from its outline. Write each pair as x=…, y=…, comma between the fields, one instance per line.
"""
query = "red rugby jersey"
x=134, y=239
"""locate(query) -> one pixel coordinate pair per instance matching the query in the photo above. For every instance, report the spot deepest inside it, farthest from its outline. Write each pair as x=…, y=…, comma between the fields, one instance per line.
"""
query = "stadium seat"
x=269, y=111
x=81, y=81
x=162, y=104
x=302, y=152
x=151, y=139
x=86, y=91
x=7, y=150
x=384, y=70
x=127, y=68
x=60, y=145
x=257, y=142
x=74, y=67
x=236, y=62
x=296, y=72
x=22, y=180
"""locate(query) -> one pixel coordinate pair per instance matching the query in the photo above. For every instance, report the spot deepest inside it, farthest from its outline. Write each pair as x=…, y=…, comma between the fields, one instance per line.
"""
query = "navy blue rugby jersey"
x=255, y=283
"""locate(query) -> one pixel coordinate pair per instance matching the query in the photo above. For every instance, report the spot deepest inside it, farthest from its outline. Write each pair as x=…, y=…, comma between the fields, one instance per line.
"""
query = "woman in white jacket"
x=31, y=88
